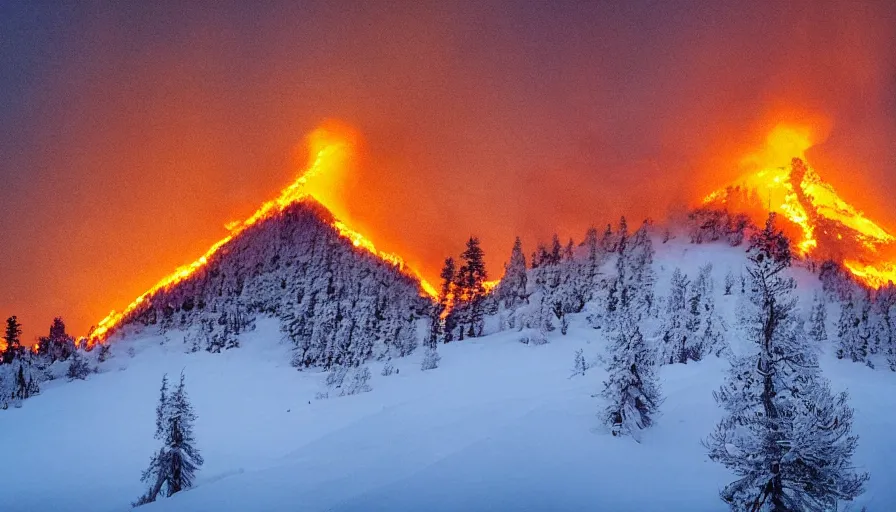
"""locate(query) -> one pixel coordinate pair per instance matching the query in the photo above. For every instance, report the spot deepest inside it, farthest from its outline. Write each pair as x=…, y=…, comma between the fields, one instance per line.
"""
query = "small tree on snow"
x=729, y=282
x=77, y=367
x=785, y=435
x=357, y=381
x=853, y=331
x=676, y=338
x=173, y=468
x=26, y=385
x=632, y=387
x=579, y=365
x=818, y=320
x=431, y=359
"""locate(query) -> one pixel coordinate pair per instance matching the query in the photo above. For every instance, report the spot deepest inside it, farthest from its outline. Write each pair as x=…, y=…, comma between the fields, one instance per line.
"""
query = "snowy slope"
x=498, y=426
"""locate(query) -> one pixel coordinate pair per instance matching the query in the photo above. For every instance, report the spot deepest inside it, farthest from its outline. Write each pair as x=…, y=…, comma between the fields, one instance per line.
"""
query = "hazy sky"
x=130, y=134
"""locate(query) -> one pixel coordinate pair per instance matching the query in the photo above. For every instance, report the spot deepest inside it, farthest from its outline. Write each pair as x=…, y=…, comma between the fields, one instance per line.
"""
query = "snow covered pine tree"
x=174, y=467
x=785, y=435
x=632, y=387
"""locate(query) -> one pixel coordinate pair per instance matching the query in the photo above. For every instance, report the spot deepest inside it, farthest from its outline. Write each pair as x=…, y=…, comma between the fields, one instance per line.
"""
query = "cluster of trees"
x=713, y=224
x=23, y=369
x=461, y=306
x=785, y=434
x=565, y=279
x=691, y=327
x=865, y=326
x=339, y=306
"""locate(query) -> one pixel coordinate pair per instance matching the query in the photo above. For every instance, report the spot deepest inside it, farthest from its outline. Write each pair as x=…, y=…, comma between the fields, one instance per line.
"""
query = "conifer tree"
x=729, y=282
x=430, y=359
x=470, y=282
x=883, y=321
x=12, y=337
x=511, y=291
x=58, y=345
x=556, y=250
x=607, y=241
x=674, y=333
x=173, y=468
x=818, y=318
x=593, y=256
x=632, y=387
x=853, y=331
x=710, y=328
x=77, y=367
x=785, y=435
x=446, y=322
x=579, y=365
x=26, y=385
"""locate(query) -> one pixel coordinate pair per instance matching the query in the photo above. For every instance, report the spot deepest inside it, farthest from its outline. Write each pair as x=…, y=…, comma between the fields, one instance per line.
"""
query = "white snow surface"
x=498, y=426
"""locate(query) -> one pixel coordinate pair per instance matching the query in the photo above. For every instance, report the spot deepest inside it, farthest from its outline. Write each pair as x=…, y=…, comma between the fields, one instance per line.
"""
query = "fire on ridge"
x=329, y=150
x=827, y=226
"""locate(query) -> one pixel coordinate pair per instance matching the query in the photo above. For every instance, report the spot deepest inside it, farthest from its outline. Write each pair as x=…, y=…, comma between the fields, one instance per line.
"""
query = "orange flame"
x=790, y=187
x=330, y=149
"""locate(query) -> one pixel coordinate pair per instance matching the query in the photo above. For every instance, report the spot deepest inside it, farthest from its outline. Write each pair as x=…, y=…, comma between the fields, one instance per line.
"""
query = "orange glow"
x=331, y=149
x=828, y=226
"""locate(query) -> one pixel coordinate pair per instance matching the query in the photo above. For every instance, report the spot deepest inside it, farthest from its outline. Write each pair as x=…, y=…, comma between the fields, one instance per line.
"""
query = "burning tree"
x=173, y=468
x=785, y=434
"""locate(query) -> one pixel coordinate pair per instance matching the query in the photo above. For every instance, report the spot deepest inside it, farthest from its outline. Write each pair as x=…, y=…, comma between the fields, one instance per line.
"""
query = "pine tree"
x=853, y=332
x=632, y=387
x=511, y=291
x=470, y=281
x=729, y=282
x=12, y=339
x=635, y=276
x=58, y=345
x=711, y=328
x=173, y=468
x=26, y=385
x=818, y=320
x=556, y=250
x=430, y=359
x=608, y=241
x=884, y=328
x=445, y=325
x=579, y=365
x=785, y=435
x=593, y=258
x=77, y=367
x=674, y=333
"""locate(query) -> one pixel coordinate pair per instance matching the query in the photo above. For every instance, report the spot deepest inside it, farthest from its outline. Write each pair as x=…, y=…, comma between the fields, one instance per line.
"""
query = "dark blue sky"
x=131, y=132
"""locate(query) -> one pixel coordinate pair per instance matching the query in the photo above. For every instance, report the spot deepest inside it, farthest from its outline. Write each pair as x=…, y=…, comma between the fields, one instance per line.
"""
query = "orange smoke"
x=781, y=181
x=331, y=149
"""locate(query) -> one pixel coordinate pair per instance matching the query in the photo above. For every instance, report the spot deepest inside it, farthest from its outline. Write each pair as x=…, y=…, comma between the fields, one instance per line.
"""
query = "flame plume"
x=828, y=226
x=330, y=150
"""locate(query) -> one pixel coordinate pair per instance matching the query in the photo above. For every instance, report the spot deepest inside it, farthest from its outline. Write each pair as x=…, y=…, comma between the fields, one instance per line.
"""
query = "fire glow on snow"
x=330, y=149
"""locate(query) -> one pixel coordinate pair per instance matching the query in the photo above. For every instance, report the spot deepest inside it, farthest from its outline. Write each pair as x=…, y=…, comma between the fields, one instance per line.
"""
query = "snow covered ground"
x=498, y=426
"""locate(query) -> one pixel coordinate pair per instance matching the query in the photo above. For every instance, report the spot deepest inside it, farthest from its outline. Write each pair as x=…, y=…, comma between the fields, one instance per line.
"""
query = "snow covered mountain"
x=338, y=304
x=508, y=420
